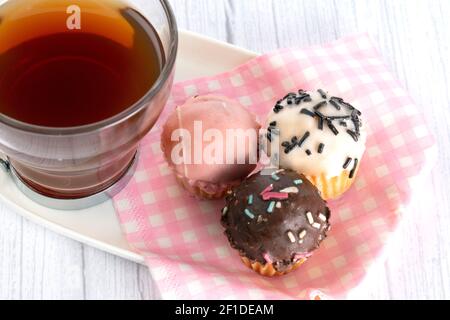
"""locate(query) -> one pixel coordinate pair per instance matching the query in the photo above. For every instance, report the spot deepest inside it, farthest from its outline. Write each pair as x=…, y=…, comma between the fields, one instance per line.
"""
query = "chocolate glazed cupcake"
x=275, y=220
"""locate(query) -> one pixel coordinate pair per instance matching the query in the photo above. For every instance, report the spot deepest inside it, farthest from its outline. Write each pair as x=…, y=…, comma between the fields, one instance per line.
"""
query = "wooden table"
x=414, y=38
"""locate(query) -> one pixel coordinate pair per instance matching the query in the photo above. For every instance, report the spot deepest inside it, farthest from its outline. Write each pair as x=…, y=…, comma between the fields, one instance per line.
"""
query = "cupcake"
x=320, y=136
x=211, y=143
x=275, y=220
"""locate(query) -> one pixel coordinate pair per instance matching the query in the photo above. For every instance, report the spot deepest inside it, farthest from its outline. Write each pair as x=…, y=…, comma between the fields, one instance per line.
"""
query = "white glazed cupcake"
x=320, y=136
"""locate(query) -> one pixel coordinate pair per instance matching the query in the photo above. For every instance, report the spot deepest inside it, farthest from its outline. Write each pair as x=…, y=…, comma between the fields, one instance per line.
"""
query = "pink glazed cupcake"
x=211, y=143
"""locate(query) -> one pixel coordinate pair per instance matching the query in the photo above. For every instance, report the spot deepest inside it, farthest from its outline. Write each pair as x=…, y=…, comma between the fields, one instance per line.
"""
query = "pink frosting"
x=215, y=112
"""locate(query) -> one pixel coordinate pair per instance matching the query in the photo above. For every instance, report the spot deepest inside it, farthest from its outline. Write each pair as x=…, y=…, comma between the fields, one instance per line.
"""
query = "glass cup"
x=79, y=162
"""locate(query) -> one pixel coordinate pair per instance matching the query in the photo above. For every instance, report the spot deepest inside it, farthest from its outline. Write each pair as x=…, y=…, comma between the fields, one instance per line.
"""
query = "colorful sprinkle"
x=224, y=211
x=266, y=257
x=298, y=182
x=249, y=214
x=278, y=205
x=322, y=217
x=317, y=225
x=271, y=207
x=250, y=199
x=275, y=177
x=310, y=218
x=302, y=234
x=275, y=195
x=290, y=190
x=267, y=189
x=291, y=236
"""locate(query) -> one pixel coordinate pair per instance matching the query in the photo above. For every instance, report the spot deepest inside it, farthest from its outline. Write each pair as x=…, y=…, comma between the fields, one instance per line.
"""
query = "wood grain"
x=414, y=38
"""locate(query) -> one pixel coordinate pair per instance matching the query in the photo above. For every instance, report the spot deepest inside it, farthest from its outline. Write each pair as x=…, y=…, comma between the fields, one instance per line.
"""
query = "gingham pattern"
x=186, y=251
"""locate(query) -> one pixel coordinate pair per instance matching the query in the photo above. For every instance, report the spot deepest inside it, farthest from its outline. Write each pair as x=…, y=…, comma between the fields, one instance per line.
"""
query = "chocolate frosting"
x=277, y=217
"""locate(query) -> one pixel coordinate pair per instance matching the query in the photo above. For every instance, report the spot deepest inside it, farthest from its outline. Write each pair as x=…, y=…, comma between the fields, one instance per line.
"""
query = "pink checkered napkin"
x=181, y=238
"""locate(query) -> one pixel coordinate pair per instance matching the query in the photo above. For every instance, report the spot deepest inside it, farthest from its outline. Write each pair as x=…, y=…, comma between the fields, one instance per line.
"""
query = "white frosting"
x=337, y=148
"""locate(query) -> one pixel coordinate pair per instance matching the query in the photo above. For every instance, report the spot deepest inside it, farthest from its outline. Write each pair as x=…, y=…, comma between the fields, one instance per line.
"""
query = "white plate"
x=98, y=226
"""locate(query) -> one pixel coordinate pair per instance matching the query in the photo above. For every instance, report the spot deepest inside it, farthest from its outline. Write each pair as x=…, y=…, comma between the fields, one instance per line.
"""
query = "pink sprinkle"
x=275, y=195
x=268, y=189
x=300, y=256
x=267, y=258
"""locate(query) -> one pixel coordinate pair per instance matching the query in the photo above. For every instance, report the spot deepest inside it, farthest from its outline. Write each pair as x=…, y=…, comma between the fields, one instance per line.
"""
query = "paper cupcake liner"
x=333, y=188
x=268, y=270
x=206, y=190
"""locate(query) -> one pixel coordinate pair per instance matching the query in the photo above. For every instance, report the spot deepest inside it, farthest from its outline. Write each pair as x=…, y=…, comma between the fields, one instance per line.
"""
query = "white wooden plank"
x=110, y=277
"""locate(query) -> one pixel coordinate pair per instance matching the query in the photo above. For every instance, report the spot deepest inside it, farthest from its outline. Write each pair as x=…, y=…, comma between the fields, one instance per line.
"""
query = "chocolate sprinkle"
x=273, y=124
x=353, y=135
x=302, y=140
x=332, y=128
x=337, y=99
x=278, y=108
x=321, y=147
x=320, y=123
x=347, y=163
x=308, y=152
x=352, y=173
x=289, y=146
x=308, y=113
x=322, y=93
x=335, y=104
x=320, y=105
x=289, y=95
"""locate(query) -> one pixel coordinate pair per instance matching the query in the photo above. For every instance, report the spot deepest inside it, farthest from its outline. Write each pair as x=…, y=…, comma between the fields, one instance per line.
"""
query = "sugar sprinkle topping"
x=290, y=190
x=275, y=177
x=317, y=225
x=298, y=182
x=249, y=214
x=310, y=217
x=321, y=147
x=291, y=236
x=267, y=189
x=275, y=195
x=347, y=163
x=302, y=234
x=271, y=207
